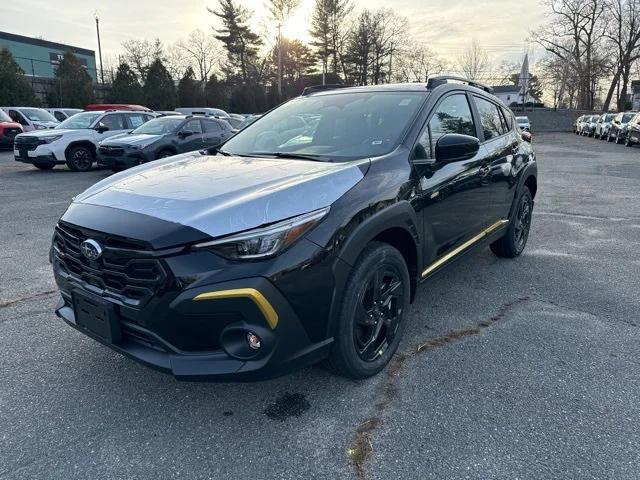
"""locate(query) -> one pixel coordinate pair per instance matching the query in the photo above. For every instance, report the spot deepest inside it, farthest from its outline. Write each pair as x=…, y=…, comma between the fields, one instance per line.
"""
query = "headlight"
x=50, y=139
x=265, y=242
x=39, y=127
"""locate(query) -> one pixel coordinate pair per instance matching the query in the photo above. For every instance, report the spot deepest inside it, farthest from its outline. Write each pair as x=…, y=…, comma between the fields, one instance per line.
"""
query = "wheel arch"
x=81, y=143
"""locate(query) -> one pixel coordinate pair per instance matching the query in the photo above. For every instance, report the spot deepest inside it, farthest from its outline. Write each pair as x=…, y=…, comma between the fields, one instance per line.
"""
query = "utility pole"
x=279, y=59
x=99, y=48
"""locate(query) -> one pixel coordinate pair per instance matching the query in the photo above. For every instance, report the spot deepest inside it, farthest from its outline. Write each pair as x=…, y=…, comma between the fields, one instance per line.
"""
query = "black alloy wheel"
x=514, y=241
x=373, y=313
x=80, y=159
x=378, y=312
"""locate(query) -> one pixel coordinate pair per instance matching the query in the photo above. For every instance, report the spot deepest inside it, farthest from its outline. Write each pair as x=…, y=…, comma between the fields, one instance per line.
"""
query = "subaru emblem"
x=91, y=249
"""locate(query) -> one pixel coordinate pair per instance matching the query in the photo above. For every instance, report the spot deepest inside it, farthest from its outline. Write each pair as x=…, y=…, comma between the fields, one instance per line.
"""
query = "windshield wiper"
x=299, y=156
x=222, y=152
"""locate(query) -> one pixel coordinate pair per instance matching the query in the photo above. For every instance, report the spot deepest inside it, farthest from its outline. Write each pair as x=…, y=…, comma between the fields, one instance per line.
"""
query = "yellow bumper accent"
x=445, y=258
x=261, y=302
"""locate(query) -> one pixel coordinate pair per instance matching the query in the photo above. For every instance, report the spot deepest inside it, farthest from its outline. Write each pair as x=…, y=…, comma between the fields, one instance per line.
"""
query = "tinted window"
x=211, y=126
x=193, y=126
x=59, y=116
x=489, y=118
x=80, y=120
x=17, y=117
x=159, y=126
x=508, y=118
x=38, y=115
x=453, y=115
x=113, y=121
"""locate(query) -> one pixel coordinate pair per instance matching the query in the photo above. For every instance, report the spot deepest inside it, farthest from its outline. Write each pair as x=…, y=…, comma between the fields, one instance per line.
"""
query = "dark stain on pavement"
x=287, y=405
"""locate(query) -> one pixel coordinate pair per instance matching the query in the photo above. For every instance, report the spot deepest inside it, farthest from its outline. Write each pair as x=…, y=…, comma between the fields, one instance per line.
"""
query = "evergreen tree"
x=126, y=88
x=216, y=92
x=189, y=91
x=239, y=40
x=73, y=87
x=14, y=87
x=159, y=90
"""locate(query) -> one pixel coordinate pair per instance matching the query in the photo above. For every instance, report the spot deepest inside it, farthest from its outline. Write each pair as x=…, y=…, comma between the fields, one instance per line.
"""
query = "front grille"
x=11, y=132
x=27, y=143
x=126, y=270
x=111, y=151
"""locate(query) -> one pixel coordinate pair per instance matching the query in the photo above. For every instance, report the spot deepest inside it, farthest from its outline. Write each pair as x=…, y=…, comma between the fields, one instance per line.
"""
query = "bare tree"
x=417, y=64
x=575, y=34
x=203, y=52
x=176, y=61
x=624, y=33
x=140, y=54
x=474, y=62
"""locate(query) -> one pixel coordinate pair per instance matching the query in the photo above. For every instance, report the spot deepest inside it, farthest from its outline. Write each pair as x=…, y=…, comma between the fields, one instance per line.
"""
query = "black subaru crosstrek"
x=160, y=138
x=287, y=247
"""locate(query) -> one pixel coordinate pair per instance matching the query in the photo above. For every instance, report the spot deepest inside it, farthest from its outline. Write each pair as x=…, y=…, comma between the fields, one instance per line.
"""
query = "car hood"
x=54, y=132
x=222, y=195
x=47, y=124
x=129, y=139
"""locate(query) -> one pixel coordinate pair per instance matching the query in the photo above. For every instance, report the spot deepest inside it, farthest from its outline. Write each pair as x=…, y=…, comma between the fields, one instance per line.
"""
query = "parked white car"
x=217, y=112
x=62, y=114
x=75, y=140
x=524, y=123
x=31, y=118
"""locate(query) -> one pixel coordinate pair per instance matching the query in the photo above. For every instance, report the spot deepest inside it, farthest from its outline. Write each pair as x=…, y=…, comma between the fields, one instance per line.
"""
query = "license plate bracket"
x=97, y=316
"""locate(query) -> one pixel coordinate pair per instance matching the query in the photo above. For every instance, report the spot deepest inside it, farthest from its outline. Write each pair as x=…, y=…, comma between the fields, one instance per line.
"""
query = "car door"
x=190, y=136
x=500, y=142
x=212, y=136
x=115, y=123
x=450, y=196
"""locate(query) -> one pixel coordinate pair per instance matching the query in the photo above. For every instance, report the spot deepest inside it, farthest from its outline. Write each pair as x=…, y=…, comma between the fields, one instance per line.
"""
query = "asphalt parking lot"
x=508, y=369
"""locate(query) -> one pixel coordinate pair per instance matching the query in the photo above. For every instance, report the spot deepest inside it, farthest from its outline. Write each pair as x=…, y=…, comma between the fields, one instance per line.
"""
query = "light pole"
x=99, y=47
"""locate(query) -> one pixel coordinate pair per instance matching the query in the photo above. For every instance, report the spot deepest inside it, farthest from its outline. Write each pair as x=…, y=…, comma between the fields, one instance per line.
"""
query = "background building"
x=511, y=96
x=39, y=58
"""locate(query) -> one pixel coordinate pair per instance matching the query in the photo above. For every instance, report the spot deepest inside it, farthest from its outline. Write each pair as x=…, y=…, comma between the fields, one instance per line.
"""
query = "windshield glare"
x=339, y=126
x=627, y=117
x=38, y=115
x=159, y=126
x=79, y=121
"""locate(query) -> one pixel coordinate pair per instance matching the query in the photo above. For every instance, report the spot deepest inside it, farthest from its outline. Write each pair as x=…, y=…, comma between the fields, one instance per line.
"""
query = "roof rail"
x=434, y=82
x=320, y=88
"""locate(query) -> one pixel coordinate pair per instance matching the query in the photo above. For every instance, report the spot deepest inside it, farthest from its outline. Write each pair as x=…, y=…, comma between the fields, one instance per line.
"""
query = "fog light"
x=253, y=340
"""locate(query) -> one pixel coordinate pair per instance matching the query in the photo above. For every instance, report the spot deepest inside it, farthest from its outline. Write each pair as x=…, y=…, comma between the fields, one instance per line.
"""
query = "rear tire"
x=373, y=314
x=45, y=166
x=164, y=154
x=80, y=159
x=514, y=241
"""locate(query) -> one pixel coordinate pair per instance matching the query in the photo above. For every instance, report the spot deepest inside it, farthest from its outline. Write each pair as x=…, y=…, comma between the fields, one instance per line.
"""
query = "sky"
x=446, y=26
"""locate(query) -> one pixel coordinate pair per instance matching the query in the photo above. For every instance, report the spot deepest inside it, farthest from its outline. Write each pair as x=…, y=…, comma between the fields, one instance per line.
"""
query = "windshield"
x=38, y=115
x=340, y=126
x=4, y=117
x=522, y=120
x=627, y=117
x=80, y=120
x=159, y=126
x=609, y=118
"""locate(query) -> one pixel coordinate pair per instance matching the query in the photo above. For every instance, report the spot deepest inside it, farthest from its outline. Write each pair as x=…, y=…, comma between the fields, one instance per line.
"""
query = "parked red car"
x=8, y=130
x=115, y=106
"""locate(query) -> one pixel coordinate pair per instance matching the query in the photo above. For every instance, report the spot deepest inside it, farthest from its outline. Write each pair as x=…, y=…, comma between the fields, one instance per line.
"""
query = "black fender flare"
x=528, y=171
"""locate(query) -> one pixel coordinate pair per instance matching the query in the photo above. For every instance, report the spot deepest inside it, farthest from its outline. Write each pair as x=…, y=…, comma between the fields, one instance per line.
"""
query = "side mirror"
x=454, y=147
x=102, y=128
x=526, y=136
x=185, y=133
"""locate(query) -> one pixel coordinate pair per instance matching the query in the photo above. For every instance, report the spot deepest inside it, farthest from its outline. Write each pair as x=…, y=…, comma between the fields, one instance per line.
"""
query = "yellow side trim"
x=445, y=258
x=261, y=302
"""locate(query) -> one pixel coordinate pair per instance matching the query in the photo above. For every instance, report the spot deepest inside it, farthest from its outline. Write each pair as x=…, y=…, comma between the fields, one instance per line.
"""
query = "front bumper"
x=284, y=348
x=41, y=154
x=128, y=159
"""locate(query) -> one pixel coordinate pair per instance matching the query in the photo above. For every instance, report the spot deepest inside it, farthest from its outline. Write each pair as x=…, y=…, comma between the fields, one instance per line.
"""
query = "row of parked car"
x=623, y=127
x=115, y=136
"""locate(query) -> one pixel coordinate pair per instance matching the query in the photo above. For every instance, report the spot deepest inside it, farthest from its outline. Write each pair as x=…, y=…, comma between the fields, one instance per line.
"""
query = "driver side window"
x=453, y=115
x=113, y=122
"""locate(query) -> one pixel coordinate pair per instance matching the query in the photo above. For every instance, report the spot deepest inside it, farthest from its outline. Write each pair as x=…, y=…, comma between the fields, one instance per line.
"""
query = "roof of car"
x=397, y=87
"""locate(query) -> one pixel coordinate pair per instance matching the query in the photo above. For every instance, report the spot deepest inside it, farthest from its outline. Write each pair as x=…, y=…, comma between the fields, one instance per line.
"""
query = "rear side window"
x=489, y=118
x=453, y=115
x=17, y=117
x=59, y=116
x=508, y=118
x=193, y=126
x=211, y=126
x=136, y=119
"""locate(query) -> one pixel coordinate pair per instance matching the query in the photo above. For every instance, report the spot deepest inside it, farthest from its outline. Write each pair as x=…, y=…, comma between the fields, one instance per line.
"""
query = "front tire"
x=514, y=241
x=373, y=314
x=80, y=159
x=164, y=154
